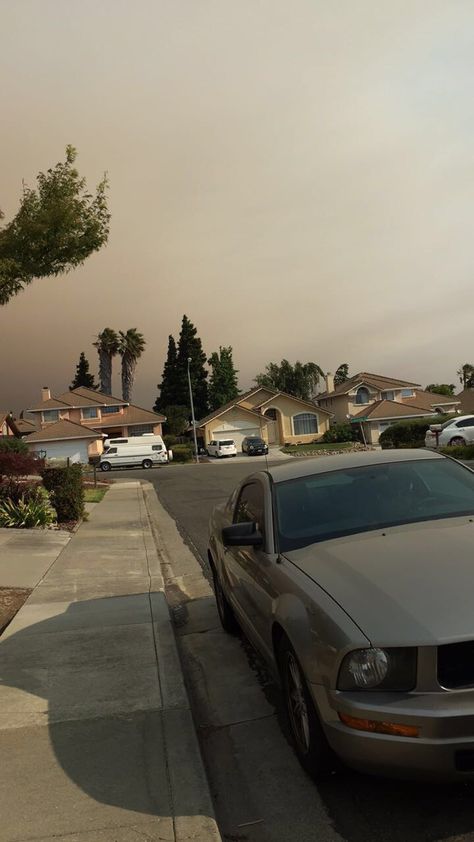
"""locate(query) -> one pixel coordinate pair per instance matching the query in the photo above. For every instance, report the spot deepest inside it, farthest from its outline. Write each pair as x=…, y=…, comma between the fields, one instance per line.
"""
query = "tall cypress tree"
x=168, y=385
x=190, y=347
x=83, y=376
x=223, y=381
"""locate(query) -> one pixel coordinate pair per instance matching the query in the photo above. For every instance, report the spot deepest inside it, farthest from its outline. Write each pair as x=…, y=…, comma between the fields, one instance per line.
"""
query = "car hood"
x=406, y=585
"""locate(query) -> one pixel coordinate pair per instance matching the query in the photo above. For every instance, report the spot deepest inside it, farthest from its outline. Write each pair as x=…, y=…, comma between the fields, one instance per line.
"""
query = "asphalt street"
x=358, y=808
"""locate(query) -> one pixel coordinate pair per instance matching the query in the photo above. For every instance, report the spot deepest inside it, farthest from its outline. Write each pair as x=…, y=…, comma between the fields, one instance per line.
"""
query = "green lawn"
x=317, y=448
x=94, y=495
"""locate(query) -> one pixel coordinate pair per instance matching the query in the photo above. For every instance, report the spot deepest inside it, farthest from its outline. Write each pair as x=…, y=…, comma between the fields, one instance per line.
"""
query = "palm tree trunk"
x=105, y=371
x=128, y=376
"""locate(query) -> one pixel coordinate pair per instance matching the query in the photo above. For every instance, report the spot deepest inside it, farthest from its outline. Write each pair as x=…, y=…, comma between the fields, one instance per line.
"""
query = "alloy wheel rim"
x=297, y=706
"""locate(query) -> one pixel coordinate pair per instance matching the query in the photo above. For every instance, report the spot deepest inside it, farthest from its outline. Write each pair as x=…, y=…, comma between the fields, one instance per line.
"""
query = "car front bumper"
x=443, y=750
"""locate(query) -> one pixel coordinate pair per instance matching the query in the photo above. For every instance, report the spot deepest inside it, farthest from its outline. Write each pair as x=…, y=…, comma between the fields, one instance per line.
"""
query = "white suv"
x=222, y=448
x=457, y=431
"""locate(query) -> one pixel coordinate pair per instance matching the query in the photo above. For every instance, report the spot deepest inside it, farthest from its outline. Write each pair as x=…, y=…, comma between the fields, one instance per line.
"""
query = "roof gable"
x=64, y=430
x=365, y=378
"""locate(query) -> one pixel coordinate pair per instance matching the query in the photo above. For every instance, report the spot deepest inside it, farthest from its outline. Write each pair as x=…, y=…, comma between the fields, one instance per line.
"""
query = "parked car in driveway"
x=353, y=576
x=225, y=447
x=456, y=431
x=254, y=446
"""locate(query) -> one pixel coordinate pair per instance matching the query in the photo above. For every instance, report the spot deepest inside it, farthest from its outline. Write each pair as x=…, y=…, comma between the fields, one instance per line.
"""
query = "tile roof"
x=430, y=400
x=62, y=430
x=25, y=426
x=77, y=398
x=389, y=410
x=376, y=380
x=225, y=408
x=254, y=411
x=131, y=415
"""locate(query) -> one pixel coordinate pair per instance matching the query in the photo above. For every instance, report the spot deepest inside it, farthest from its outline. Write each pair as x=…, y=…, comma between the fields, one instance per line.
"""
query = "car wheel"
x=147, y=463
x=105, y=466
x=457, y=441
x=309, y=741
x=224, y=609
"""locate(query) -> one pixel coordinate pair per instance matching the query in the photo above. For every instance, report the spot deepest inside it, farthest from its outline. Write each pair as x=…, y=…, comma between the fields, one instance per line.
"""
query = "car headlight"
x=378, y=669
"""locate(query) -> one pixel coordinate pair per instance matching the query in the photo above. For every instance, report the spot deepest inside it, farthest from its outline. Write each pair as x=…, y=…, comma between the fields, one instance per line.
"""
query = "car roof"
x=322, y=464
x=460, y=418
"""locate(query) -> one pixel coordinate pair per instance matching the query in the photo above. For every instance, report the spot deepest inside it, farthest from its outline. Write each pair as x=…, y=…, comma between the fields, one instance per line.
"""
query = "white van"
x=134, y=452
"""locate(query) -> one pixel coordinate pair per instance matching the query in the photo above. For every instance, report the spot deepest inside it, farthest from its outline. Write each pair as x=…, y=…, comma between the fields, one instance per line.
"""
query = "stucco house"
x=65, y=440
x=275, y=416
x=375, y=402
x=99, y=416
x=8, y=426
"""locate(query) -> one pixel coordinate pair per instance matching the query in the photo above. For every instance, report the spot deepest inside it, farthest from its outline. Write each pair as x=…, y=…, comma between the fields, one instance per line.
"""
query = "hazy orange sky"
x=295, y=176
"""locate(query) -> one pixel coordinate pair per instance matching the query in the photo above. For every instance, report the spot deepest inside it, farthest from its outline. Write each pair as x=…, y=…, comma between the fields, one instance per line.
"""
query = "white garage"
x=236, y=434
x=63, y=440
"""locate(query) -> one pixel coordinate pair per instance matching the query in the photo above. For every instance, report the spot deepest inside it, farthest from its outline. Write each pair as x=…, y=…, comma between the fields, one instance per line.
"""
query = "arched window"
x=362, y=395
x=305, y=423
x=271, y=413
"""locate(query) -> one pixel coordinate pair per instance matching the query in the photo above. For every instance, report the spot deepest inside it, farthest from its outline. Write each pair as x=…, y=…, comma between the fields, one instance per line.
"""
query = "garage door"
x=236, y=435
x=76, y=451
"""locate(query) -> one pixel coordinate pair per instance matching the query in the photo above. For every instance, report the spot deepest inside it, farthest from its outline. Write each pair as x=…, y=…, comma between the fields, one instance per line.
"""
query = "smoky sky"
x=295, y=177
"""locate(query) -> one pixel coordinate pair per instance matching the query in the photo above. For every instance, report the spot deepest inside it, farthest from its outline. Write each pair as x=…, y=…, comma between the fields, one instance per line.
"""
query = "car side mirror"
x=242, y=535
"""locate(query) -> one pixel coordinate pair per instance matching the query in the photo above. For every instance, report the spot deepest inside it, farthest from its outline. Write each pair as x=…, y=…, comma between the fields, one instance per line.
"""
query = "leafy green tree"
x=342, y=374
x=190, y=348
x=223, y=385
x=169, y=380
x=300, y=380
x=131, y=347
x=466, y=375
x=56, y=228
x=107, y=344
x=177, y=419
x=441, y=388
x=83, y=376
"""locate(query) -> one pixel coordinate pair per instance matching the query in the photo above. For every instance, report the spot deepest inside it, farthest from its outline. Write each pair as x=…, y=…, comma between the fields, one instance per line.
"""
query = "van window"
x=118, y=441
x=110, y=450
x=156, y=447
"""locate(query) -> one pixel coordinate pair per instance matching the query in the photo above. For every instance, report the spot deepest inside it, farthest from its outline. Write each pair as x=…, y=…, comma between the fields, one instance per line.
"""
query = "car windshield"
x=255, y=441
x=226, y=443
x=330, y=505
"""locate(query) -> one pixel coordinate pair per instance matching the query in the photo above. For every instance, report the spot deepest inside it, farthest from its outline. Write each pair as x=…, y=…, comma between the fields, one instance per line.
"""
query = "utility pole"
x=193, y=420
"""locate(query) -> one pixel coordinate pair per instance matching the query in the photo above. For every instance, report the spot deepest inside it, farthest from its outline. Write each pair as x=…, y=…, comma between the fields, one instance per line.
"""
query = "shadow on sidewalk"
x=90, y=674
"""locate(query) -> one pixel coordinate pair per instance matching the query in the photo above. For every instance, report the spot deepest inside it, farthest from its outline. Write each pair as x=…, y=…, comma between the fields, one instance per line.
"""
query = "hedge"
x=182, y=453
x=67, y=491
x=409, y=433
x=339, y=433
x=463, y=452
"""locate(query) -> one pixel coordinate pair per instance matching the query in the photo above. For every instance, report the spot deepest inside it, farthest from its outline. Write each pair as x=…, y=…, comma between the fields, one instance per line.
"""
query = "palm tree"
x=131, y=347
x=107, y=344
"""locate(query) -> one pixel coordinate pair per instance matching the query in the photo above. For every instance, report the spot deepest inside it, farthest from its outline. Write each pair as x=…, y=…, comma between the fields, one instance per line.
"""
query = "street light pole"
x=193, y=420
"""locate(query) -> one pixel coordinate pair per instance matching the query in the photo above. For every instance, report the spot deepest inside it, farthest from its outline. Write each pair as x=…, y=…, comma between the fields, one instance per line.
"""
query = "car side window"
x=468, y=422
x=111, y=450
x=251, y=507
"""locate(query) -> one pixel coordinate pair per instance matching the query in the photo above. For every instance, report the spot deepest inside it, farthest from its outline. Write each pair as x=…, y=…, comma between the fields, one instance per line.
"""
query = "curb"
x=190, y=793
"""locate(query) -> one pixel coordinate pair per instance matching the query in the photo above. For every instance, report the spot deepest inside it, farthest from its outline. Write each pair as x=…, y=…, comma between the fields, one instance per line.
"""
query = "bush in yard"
x=409, y=433
x=32, y=509
x=182, y=453
x=170, y=441
x=464, y=452
x=15, y=465
x=338, y=433
x=9, y=444
x=67, y=491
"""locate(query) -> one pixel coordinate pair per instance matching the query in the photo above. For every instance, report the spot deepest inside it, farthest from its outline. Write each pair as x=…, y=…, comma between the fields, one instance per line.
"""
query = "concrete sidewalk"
x=96, y=736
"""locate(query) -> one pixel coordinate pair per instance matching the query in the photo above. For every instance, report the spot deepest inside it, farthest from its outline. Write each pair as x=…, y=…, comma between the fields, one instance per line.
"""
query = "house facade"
x=375, y=402
x=65, y=440
x=101, y=415
x=7, y=424
x=275, y=416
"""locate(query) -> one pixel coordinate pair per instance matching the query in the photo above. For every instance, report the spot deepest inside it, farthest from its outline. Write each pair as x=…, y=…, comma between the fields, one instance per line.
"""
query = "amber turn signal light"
x=376, y=727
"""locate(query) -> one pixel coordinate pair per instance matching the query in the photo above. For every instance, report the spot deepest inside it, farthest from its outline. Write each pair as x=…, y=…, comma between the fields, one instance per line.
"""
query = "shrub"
x=19, y=464
x=409, y=433
x=32, y=509
x=67, y=492
x=170, y=440
x=463, y=452
x=338, y=433
x=182, y=453
x=9, y=444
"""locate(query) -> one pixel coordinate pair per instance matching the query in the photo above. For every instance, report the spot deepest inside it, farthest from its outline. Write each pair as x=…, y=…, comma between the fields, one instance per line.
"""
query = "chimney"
x=45, y=393
x=329, y=382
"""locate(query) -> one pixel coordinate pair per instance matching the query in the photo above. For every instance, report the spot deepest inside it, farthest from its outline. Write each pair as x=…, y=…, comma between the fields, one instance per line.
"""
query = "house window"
x=139, y=429
x=407, y=393
x=89, y=412
x=388, y=396
x=271, y=413
x=305, y=423
x=362, y=395
x=109, y=410
x=50, y=415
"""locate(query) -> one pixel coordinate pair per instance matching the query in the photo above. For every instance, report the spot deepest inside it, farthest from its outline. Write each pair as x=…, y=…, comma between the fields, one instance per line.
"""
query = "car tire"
x=308, y=738
x=224, y=609
x=105, y=466
x=147, y=463
x=457, y=441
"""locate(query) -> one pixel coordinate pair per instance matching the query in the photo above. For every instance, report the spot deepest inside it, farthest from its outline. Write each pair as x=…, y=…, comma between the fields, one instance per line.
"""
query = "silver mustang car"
x=354, y=577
